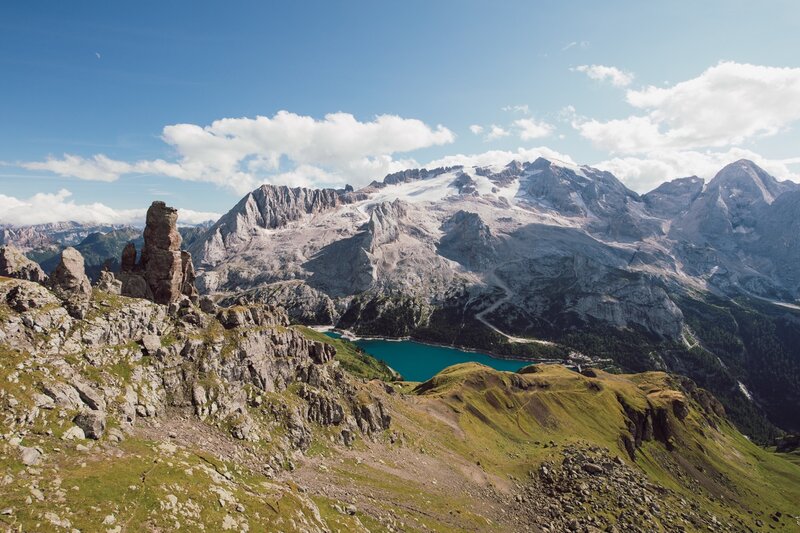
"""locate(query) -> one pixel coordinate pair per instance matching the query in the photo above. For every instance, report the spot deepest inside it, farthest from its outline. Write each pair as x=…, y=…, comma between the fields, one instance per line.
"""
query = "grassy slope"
x=352, y=358
x=502, y=427
x=469, y=419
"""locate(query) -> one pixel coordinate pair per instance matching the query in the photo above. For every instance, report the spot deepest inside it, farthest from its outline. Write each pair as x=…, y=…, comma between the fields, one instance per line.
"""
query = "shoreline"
x=352, y=337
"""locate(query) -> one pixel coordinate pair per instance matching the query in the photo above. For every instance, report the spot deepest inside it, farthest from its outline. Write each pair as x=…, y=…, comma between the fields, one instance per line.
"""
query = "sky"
x=107, y=106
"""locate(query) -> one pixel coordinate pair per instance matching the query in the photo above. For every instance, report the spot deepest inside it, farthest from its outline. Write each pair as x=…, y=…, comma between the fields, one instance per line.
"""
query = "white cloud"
x=476, y=129
x=644, y=173
x=190, y=217
x=496, y=132
x=239, y=153
x=524, y=109
x=574, y=44
x=726, y=105
x=617, y=77
x=97, y=168
x=45, y=208
x=531, y=129
x=500, y=158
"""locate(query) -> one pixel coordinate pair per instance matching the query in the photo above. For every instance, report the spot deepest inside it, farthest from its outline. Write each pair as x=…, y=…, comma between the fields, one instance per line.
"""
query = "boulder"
x=207, y=305
x=30, y=456
x=73, y=433
x=70, y=283
x=14, y=264
x=594, y=469
x=93, y=423
x=108, y=282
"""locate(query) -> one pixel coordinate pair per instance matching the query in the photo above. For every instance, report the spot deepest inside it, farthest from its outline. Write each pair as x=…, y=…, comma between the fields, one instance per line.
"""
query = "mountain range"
x=137, y=402
x=537, y=259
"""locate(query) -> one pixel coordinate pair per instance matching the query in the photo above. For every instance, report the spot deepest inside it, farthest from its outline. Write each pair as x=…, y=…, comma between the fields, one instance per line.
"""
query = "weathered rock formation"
x=108, y=282
x=164, y=272
x=14, y=264
x=70, y=282
x=220, y=368
x=267, y=207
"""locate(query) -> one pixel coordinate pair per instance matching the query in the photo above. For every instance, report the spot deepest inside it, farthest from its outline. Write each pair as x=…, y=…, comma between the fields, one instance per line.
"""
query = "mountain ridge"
x=556, y=250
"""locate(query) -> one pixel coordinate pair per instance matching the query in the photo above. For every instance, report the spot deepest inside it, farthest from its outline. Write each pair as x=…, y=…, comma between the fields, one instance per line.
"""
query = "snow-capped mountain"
x=513, y=259
x=517, y=233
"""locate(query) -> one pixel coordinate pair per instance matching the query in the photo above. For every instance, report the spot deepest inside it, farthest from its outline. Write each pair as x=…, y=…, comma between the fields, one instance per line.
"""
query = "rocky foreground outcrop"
x=204, y=418
x=164, y=272
x=221, y=368
x=14, y=264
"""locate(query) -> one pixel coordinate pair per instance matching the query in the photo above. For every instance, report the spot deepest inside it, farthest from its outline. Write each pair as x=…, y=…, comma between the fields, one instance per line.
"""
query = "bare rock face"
x=468, y=240
x=70, y=282
x=161, y=255
x=268, y=207
x=164, y=272
x=14, y=264
x=128, y=261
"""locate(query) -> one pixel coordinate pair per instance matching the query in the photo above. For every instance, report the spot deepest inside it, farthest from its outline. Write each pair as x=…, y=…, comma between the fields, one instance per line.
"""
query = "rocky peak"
x=384, y=223
x=728, y=209
x=268, y=207
x=70, y=282
x=164, y=272
x=744, y=182
x=576, y=191
x=467, y=240
x=415, y=174
x=14, y=264
x=511, y=172
x=671, y=198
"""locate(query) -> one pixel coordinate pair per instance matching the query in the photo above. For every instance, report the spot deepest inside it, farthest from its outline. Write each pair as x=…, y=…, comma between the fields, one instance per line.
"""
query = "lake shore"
x=352, y=337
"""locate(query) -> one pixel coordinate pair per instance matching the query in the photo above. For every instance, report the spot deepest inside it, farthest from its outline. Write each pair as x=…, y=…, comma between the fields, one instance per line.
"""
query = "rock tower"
x=164, y=272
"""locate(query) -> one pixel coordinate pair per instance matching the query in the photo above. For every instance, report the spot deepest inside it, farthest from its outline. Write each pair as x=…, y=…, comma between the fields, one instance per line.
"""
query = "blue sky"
x=649, y=90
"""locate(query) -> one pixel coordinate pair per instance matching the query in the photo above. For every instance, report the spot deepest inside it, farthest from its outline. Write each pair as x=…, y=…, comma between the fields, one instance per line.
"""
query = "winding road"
x=481, y=316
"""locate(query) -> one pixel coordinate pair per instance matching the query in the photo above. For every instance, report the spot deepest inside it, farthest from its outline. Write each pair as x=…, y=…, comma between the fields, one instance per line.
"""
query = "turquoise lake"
x=419, y=362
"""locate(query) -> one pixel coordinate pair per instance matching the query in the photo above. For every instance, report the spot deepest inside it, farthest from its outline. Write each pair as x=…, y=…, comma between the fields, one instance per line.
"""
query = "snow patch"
x=418, y=191
x=745, y=391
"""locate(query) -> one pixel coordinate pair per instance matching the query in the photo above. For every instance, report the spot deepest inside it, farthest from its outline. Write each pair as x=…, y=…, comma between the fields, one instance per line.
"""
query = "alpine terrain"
x=184, y=389
x=541, y=260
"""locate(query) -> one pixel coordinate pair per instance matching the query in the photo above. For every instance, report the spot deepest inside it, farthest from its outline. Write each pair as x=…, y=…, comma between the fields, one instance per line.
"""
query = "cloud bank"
x=45, y=208
x=240, y=153
x=728, y=104
x=697, y=125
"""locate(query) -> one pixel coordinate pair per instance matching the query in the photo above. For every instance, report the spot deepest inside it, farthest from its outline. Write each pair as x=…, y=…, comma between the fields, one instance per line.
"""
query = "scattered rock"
x=93, y=423
x=31, y=456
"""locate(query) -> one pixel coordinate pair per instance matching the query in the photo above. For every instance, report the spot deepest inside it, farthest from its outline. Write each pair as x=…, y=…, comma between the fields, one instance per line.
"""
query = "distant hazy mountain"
x=99, y=244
